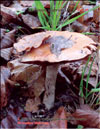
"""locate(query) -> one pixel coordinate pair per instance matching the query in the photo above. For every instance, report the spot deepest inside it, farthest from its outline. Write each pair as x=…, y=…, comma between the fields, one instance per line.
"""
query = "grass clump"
x=52, y=21
x=90, y=96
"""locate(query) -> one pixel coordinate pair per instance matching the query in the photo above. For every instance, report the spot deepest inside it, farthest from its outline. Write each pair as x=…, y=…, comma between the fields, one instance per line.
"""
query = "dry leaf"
x=7, y=15
x=26, y=3
x=73, y=71
x=32, y=105
x=3, y=31
x=24, y=72
x=36, y=88
x=14, y=117
x=79, y=27
x=8, y=39
x=87, y=117
x=96, y=15
x=16, y=6
x=31, y=21
x=6, y=53
x=59, y=120
x=5, y=74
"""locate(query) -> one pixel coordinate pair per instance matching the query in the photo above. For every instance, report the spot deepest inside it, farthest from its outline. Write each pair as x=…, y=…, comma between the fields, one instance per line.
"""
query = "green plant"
x=7, y=30
x=80, y=127
x=93, y=90
x=52, y=21
x=19, y=12
x=88, y=33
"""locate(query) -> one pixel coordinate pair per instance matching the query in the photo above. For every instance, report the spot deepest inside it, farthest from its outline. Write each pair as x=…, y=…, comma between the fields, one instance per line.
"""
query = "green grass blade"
x=42, y=14
x=64, y=3
x=40, y=7
x=83, y=72
x=45, y=28
x=51, y=12
x=88, y=33
x=75, y=18
x=88, y=78
x=95, y=90
x=98, y=85
x=98, y=101
x=58, y=14
x=76, y=6
x=55, y=14
x=72, y=11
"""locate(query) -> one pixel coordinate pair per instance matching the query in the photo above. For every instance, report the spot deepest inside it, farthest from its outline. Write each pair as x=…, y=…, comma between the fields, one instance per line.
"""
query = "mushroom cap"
x=83, y=46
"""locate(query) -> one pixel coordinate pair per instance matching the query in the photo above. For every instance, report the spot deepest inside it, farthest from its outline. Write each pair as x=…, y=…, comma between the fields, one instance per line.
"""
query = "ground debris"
x=31, y=21
x=5, y=74
x=87, y=117
x=8, y=39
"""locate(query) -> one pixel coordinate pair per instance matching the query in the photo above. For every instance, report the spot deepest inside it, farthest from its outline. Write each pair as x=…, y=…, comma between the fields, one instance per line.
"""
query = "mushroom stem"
x=50, y=82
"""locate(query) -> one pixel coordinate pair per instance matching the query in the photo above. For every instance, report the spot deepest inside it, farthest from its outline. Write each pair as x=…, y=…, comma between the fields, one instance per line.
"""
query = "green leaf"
x=19, y=12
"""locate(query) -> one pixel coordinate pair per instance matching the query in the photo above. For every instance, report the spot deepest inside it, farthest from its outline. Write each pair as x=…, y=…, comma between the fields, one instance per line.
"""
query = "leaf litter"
x=43, y=74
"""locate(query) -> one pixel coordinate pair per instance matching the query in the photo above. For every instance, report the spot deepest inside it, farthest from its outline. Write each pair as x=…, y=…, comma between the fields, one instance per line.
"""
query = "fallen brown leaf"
x=5, y=74
x=15, y=115
x=16, y=6
x=32, y=105
x=29, y=4
x=31, y=21
x=8, y=39
x=73, y=71
x=36, y=87
x=7, y=15
x=87, y=117
x=24, y=72
x=6, y=53
x=59, y=120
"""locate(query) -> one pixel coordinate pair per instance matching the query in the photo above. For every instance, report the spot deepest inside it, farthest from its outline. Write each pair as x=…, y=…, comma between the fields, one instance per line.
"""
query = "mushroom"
x=72, y=46
x=82, y=46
